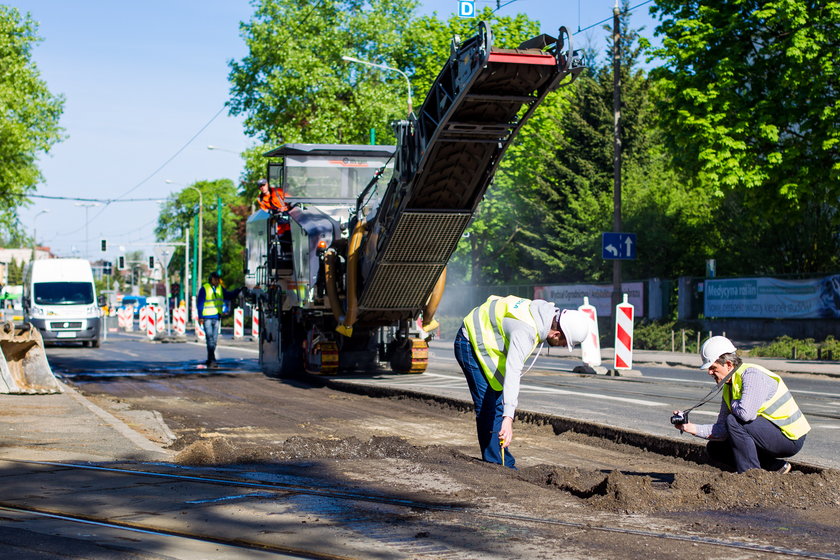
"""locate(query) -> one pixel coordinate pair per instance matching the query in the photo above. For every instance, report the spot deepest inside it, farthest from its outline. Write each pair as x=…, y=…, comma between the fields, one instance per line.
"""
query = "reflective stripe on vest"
x=488, y=339
x=780, y=409
x=212, y=305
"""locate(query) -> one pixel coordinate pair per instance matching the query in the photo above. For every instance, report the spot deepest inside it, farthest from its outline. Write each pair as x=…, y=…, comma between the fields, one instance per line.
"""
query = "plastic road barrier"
x=591, y=347
x=238, y=323
x=624, y=335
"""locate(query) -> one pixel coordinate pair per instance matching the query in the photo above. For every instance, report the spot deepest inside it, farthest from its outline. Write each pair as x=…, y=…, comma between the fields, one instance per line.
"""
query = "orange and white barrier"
x=624, y=335
x=238, y=323
x=591, y=347
x=255, y=323
x=199, y=330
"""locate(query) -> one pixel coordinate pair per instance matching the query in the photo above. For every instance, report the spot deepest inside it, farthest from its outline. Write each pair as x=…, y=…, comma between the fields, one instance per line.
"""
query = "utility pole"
x=616, y=52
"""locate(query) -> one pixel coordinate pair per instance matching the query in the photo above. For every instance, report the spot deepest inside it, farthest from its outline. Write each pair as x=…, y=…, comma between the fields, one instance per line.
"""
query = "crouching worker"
x=759, y=424
x=492, y=346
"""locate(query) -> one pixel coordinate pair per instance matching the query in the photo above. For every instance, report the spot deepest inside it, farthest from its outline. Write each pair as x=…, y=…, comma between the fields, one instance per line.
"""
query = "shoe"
x=785, y=468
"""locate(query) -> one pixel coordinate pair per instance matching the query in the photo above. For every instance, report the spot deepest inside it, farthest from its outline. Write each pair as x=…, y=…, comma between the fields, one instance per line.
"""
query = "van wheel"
x=94, y=343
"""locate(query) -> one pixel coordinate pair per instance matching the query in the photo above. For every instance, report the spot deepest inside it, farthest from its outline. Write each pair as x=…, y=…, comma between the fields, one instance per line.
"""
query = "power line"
x=630, y=9
x=103, y=200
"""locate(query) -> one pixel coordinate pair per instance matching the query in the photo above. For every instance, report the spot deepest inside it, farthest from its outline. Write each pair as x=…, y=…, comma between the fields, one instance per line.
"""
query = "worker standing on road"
x=491, y=347
x=759, y=424
x=210, y=300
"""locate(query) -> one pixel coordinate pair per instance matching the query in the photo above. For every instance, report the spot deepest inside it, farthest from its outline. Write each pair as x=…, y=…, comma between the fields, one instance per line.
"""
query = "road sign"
x=163, y=254
x=615, y=246
x=466, y=8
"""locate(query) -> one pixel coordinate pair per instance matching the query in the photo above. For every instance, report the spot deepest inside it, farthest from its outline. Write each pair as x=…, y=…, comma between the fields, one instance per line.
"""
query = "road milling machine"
x=358, y=279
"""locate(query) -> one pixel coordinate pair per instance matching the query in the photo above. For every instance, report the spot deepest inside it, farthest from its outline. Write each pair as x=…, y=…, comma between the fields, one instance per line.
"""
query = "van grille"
x=62, y=325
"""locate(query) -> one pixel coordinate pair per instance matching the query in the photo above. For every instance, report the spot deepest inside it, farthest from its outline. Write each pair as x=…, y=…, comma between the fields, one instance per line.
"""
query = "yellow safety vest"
x=489, y=341
x=212, y=305
x=780, y=409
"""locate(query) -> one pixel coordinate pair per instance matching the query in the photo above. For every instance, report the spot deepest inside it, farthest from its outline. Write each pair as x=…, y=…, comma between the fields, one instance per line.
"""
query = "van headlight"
x=92, y=311
x=37, y=312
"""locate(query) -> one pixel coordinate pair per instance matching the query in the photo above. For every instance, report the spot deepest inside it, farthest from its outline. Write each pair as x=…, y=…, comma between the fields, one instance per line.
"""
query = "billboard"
x=772, y=298
x=570, y=296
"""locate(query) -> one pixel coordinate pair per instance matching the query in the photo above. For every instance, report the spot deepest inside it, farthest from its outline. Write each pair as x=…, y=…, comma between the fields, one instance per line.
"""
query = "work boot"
x=211, y=358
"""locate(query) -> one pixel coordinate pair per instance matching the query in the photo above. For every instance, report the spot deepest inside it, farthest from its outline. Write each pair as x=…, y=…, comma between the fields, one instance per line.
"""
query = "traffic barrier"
x=591, y=347
x=199, y=330
x=129, y=318
x=143, y=316
x=160, y=319
x=150, y=323
x=179, y=320
x=121, y=318
x=255, y=323
x=238, y=323
x=624, y=335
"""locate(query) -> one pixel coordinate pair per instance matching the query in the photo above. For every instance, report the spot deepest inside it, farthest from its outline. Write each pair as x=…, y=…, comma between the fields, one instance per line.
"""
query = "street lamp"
x=34, y=229
x=87, y=206
x=211, y=147
x=384, y=67
x=199, y=252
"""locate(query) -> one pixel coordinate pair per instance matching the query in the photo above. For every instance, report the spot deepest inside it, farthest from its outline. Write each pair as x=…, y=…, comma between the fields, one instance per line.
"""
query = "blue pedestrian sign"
x=618, y=246
x=466, y=8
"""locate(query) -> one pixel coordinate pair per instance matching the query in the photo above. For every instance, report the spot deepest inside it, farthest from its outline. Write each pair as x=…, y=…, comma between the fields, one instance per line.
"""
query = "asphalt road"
x=642, y=403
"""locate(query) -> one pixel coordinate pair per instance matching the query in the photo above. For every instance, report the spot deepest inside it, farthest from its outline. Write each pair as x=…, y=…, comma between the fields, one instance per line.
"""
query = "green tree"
x=293, y=85
x=29, y=114
x=751, y=112
x=177, y=214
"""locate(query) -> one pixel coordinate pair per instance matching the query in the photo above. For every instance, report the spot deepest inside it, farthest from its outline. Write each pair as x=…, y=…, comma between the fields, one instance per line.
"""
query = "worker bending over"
x=491, y=347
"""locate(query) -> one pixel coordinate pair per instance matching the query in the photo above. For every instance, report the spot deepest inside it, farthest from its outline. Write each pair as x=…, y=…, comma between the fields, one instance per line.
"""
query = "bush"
x=808, y=349
x=654, y=335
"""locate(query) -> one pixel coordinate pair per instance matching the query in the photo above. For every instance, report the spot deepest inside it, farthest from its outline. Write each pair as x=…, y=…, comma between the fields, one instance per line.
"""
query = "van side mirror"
x=101, y=300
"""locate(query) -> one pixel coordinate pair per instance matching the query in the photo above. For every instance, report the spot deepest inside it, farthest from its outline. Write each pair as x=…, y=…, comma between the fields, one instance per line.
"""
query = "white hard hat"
x=576, y=326
x=713, y=349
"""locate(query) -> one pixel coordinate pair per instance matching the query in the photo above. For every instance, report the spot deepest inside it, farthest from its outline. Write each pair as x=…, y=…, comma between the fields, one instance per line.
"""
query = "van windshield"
x=63, y=293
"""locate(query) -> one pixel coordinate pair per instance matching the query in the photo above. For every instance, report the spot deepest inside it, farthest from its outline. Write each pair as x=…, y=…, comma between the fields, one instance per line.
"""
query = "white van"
x=59, y=298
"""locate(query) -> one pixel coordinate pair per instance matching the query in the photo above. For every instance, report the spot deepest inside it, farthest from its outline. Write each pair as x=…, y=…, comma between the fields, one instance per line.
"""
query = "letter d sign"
x=466, y=8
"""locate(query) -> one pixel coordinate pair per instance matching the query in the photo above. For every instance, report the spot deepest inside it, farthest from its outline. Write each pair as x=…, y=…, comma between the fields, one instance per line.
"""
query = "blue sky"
x=143, y=82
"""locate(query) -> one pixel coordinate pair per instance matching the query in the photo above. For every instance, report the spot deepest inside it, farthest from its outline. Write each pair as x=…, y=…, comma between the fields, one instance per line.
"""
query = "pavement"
x=69, y=427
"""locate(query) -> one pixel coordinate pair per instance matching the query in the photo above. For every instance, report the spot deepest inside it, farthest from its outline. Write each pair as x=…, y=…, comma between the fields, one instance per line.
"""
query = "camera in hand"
x=679, y=418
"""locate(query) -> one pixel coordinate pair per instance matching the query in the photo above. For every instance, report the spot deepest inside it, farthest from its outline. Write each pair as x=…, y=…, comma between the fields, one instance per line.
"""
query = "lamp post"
x=87, y=206
x=199, y=253
x=34, y=229
x=384, y=67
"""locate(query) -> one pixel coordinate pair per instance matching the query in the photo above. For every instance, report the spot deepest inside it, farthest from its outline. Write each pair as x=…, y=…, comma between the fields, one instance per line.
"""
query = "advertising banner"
x=570, y=296
x=771, y=298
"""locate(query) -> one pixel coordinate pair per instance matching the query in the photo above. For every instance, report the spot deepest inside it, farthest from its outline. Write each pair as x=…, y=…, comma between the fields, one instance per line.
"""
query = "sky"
x=145, y=85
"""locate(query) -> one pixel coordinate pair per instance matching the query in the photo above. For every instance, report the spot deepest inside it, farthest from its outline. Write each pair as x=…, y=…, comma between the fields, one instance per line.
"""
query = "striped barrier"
x=624, y=335
x=143, y=314
x=591, y=347
x=255, y=323
x=150, y=323
x=238, y=323
x=179, y=320
x=160, y=319
x=199, y=330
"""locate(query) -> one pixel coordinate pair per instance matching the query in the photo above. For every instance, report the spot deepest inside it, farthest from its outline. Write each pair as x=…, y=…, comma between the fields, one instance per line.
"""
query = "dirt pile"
x=635, y=493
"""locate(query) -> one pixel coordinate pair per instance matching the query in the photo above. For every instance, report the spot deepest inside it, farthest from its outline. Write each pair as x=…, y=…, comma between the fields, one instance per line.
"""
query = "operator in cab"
x=759, y=424
x=273, y=201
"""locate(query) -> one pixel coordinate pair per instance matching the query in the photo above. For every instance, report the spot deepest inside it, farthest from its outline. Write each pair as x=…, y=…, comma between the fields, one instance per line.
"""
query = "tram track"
x=354, y=496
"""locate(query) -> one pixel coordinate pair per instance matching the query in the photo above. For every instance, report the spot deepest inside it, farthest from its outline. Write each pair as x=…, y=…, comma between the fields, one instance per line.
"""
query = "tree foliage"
x=29, y=113
x=177, y=213
x=750, y=111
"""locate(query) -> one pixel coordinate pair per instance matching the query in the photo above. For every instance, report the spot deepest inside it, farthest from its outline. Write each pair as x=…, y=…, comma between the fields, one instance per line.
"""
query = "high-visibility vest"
x=780, y=409
x=213, y=300
x=489, y=340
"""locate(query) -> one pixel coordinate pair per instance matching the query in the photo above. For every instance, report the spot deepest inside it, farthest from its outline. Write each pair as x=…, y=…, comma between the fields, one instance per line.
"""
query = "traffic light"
x=104, y=245
x=121, y=262
x=152, y=262
x=107, y=268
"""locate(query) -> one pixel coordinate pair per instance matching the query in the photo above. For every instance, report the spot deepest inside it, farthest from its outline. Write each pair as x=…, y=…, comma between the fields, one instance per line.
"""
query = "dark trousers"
x=758, y=444
x=489, y=404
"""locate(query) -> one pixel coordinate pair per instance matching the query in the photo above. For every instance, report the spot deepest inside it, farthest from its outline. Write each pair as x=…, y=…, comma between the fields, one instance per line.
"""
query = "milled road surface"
x=574, y=495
